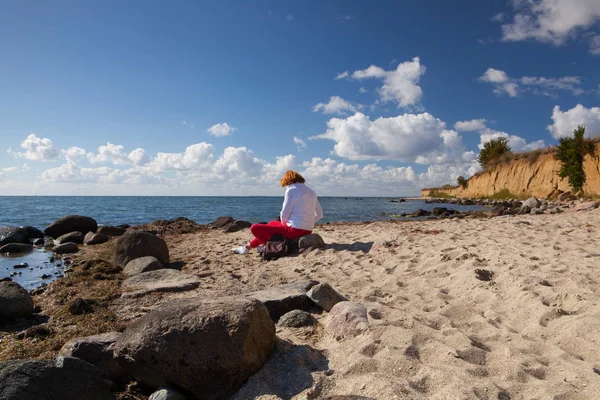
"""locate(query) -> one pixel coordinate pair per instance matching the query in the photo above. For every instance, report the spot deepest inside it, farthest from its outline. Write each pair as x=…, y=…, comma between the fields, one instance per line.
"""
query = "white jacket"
x=301, y=208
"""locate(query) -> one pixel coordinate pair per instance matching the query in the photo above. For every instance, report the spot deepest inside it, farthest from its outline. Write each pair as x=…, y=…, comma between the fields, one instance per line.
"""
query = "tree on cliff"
x=571, y=152
x=492, y=151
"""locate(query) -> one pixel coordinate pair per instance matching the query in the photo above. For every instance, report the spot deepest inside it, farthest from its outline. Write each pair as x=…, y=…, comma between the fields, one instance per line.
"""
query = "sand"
x=436, y=330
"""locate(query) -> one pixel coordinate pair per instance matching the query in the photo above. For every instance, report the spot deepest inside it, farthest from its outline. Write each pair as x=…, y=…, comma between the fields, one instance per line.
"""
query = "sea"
x=40, y=211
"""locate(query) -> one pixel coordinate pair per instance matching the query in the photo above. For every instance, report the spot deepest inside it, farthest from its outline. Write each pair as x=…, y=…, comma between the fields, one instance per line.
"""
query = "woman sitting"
x=300, y=211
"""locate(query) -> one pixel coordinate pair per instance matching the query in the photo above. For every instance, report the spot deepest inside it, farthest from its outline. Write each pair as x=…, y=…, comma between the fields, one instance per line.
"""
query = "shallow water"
x=39, y=264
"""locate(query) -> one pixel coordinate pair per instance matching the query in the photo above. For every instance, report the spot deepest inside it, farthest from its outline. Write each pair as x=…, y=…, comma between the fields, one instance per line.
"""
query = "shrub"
x=462, y=182
x=571, y=152
x=492, y=151
x=440, y=195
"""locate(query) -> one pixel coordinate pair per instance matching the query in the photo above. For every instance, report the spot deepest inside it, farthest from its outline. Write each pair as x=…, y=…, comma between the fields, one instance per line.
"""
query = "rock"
x=221, y=222
x=39, y=242
x=524, y=210
x=587, y=206
x=111, y=230
x=16, y=248
x=48, y=242
x=12, y=234
x=165, y=393
x=325, y=296
x=297, y=319
x=162, y=280
x=33, y=233
x=497, y=211
x=285, y=298
x=15, y=301
x=532, y=203
x=438, y=210
x=419, y=213
x=136, y=244
x=347, y=319
x=65, y=378
x=236, y=226
x=566, y=196
x=73, y=237
x=71, y=223
x=208, y=347
x=92, y=238
x=311, y=241
x=536, y=211
x=142, y=264
x=96, y=350
x=66, y=248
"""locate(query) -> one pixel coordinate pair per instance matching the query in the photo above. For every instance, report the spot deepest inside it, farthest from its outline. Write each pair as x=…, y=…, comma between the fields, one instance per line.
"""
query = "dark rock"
x=33, y=233
x=12, y=234
x=48, y=242
x=236, y=226
x=162, y=280
x=16, y=248
x=311, y=241
x=39, y=242
x=71, y=223
x=297, y=319
x=15, y=301
x=325, y=296
x=22, y=265
x=136, y=244
x=37, y=331
x=142, y=264
x=419, y=213
x=96, y=350
x=347, y=319
x=282, y=299
x=66, y=248
x=92, y=238
x=64, y=378
x=112, y=230
x=73, y=237
x=208, y=347
x=438, y=210
x=45, y=276
x=221, y=222
x=484, y=274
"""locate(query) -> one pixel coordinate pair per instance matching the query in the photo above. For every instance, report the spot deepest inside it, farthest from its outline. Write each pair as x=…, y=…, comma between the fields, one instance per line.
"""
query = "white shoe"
x=240, y=250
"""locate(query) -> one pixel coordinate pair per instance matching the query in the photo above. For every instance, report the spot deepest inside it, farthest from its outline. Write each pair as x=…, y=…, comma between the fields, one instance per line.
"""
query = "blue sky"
x=221, y=97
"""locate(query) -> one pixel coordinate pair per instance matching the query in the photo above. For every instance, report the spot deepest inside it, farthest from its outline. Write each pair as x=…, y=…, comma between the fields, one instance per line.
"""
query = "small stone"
x=297, y=319
x=325, y=296
x=66, y=248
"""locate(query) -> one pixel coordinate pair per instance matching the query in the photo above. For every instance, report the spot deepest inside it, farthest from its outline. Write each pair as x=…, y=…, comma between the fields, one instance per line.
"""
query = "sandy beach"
x=436, y=331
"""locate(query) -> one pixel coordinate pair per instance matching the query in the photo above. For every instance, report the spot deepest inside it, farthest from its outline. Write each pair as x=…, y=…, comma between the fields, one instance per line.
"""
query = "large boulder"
x=112, y=230
x=531, y=203
x=282, y=299
x=71, y=223
x=73, y=237
x=12, y=234
x=235, y=226
x=33, y=233
x=16, y=248
x=311, y=241
x=96, y=350
x=221, y=222
x=136, y=244
x=347, y=319
x=65, y=378
x=66, y=248
x=208, y=347
x=15, y=301
x=92, y=238
x=325, y=296
x=142, y=264
x=162, y=280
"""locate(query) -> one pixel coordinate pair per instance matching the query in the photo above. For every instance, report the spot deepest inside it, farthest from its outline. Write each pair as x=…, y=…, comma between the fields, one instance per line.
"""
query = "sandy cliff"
x=525, y=176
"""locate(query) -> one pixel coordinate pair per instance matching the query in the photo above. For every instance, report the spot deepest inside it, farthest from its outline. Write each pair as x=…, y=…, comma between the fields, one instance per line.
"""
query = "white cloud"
x=551, y=21
x=300, y=144
x=343, y=75
x=470, y=126
x=336, y=105
x=565, y=122
x=400, y=86
x=408, y=137
x=139, y=157
x=498, y=17
x=362, y=90
x=504, y=84
x=595, y=45
x=37, y=149
x=223, y=129
x=73, y=154
x=109, y=153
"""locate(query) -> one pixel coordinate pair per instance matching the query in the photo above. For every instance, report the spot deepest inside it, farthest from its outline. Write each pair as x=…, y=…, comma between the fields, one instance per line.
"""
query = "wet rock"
x=16, y=248
x=136, y=244
x=111, y=230
x=66, y=248
x=96, y=350
x=438, y=210
x=142, y=264
x=39, y=242
x=285, y=298
x=312, y=241
x=15, y=301
x=33, y=233
x=297, y=319
x=64, y=378
x=92, y=238
x=71, y=223
x=325, y=296
x=162, y=280
x=419, y=213
x=192, y=335
x=347, y=319
x=165, y=393
x=221, y=222
x=73, y=237
x=22, y=265
x=12, y=234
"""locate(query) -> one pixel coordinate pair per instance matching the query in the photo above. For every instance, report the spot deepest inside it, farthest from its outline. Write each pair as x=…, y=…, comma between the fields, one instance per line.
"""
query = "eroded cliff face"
x=524, y=177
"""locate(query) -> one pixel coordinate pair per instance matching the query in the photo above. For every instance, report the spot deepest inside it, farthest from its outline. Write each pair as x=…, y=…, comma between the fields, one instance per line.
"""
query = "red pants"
x=263, y=232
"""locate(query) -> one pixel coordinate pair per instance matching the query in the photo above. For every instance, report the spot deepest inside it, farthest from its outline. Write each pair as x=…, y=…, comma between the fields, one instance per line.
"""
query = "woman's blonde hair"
x=291, y=177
